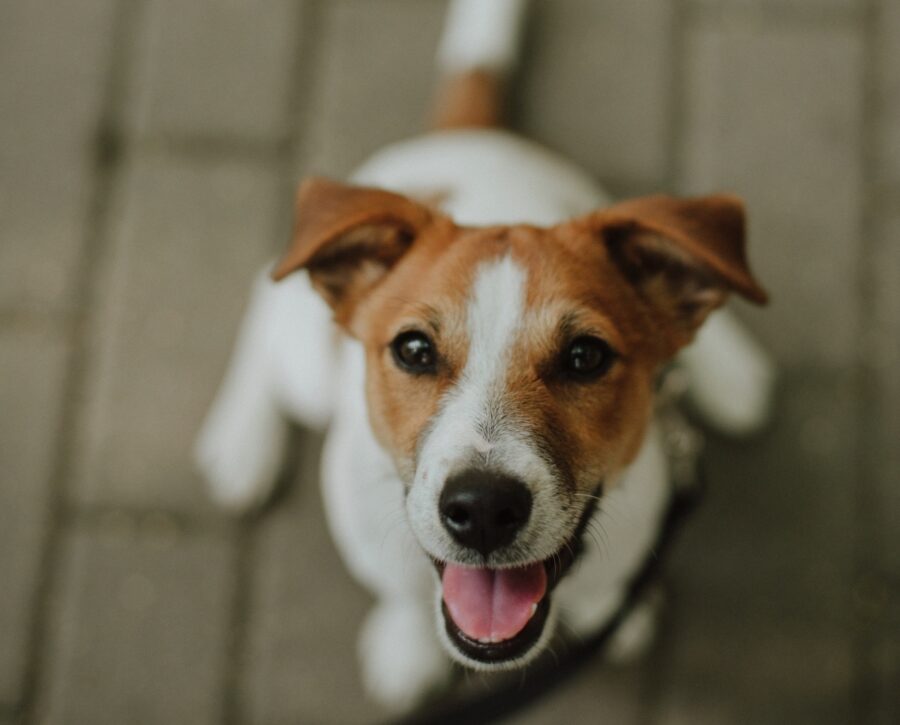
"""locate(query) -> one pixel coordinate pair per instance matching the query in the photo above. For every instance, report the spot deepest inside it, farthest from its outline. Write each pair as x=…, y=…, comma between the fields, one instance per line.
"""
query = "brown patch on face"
x=427, y=292
x=588, y=429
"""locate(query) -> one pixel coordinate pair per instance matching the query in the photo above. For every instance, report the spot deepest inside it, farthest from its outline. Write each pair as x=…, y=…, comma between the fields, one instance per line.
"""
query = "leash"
x=684, y=445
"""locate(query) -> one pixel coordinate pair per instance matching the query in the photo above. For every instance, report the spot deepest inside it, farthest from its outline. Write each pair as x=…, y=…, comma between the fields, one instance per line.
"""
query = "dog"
x=480, y=330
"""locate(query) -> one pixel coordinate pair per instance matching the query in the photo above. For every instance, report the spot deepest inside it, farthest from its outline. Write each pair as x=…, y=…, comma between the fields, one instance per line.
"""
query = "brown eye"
x=587, y=358
x=414, y=352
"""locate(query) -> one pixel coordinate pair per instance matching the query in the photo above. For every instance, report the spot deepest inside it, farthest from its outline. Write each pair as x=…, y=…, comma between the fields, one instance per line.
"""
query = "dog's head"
x=510, y=372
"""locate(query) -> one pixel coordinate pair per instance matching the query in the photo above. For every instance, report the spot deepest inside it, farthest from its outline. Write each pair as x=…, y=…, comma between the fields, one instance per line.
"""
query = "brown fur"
x=469, y=100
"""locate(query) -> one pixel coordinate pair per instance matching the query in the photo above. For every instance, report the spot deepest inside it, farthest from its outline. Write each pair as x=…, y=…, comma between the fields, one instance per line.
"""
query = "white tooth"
x=533, y=610
x=485, y=640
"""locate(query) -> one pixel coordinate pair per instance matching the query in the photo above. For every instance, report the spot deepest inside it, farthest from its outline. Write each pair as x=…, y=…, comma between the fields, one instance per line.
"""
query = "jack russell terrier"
x=481, y=332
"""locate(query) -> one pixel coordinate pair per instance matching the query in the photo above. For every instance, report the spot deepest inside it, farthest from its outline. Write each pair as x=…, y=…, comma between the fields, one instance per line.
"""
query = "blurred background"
x=149, y=150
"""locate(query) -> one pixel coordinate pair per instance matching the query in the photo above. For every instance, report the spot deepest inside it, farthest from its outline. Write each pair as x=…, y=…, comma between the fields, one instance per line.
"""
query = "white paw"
x=732, y=378
x=239, y=452
x=402, y=661
x=634, y=636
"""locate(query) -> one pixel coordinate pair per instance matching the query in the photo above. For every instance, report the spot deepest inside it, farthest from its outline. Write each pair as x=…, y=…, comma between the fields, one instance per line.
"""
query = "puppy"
x=481, y=332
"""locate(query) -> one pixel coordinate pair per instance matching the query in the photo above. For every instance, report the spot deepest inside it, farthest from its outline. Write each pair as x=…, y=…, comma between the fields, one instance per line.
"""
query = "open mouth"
x=494, y=616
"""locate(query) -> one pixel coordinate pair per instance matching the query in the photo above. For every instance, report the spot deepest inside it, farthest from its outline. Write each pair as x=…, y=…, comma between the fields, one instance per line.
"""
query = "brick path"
x=148, y=154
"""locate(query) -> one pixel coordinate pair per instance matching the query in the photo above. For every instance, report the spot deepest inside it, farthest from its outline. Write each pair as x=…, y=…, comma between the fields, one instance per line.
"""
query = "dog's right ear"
x=348, y=238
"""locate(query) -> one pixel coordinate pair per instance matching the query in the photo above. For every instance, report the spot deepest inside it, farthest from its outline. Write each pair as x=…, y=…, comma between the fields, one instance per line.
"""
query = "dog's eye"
x=414, y=352
x=588, y=357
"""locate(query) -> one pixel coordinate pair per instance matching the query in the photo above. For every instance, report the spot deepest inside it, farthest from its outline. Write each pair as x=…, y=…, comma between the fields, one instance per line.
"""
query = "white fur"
x=481, y=35
x=731, y=376
x=619, y=538
x=402, y=658
x=489, y=177
x=495, y=320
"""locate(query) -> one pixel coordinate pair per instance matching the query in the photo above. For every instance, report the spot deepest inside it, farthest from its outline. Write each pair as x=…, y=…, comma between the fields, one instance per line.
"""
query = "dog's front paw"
x=402, y=661
x=635, y=634
x=239, y=452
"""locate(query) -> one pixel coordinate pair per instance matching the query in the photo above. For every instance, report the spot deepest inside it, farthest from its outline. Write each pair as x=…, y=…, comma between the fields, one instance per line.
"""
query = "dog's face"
x=510, y=374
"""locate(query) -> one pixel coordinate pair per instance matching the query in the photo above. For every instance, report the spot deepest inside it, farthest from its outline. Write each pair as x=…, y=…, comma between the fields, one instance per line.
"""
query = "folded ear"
x=348, y=238
x=683, y=255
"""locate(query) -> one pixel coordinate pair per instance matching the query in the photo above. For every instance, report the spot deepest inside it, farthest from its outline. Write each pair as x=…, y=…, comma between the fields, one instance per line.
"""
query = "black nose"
x=484, y=511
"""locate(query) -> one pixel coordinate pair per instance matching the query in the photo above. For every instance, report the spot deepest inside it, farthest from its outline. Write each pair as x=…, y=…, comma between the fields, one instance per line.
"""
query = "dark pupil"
x=587, y=355
x=414, y=351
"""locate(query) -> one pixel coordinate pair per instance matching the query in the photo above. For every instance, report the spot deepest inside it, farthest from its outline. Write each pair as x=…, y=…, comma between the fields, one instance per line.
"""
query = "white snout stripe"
x=470, y=421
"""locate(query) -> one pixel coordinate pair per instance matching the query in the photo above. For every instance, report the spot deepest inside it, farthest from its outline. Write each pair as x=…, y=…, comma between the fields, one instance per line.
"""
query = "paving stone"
x=884, y=330
x=305, y=616
x=376, y=79
x=885, y=710
x=189, y=236
x=597, y=693
x=775, y=533
x=728, y=670
x=31, y=387
x=54, y=56
x=888, y=89
x=219, y=68
x=762, y=575
x=809, y=10
x=773, y=112
x=140, y=625
x=596, y=85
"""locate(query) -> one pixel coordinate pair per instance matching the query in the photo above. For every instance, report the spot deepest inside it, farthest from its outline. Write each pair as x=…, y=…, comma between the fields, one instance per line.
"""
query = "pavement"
x=149, y=150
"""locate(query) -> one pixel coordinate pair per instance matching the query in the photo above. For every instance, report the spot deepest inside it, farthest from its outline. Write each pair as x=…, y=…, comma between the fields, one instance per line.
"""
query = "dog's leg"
x=281, y=366
x=401, y=657
x=730, y=376
x=402, y=660
x=637, y=630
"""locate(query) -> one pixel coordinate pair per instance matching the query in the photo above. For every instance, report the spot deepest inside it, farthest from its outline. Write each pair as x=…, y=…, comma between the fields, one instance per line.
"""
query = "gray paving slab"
x=305, y=613
x=375, y=79
x=776, y=533
x=596, y=86
x=762, y=627
x=885, y=709
x=189, y=235
x=598, y=693
x=773, y=112
x=54, y=58
x=213, y=68
x=809, y=10
x=887, y=56
x=726, y=671
x=31, y=389
x=140, y=625
x=884, y=340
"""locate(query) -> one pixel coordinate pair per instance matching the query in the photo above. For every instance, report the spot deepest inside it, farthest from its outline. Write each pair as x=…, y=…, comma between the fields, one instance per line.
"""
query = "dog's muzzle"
x=495, y=616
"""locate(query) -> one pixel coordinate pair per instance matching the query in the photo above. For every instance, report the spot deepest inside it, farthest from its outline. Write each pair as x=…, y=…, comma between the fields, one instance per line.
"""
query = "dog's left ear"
x=348, y=238
x=683, y=255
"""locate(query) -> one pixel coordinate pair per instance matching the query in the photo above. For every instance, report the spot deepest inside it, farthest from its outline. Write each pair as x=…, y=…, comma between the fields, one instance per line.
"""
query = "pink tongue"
x=493, y=604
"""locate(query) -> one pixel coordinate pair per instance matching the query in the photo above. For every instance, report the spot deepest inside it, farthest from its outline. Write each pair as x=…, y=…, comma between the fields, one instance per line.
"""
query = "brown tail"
x=472, y=99
x=478, y=52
